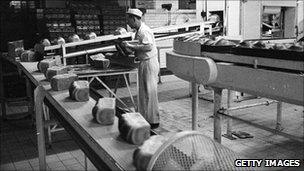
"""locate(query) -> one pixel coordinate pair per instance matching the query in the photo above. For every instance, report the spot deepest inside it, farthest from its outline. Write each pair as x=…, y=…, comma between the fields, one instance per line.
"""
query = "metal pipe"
x=53, y=47
x=229, y=121
x=174, y=27
x=279, y=117
x=252, y=105
x=217, y=133
x=84, y=52
x=97, y=40
x=194, y=105
x=63, y=55
x=178, y=35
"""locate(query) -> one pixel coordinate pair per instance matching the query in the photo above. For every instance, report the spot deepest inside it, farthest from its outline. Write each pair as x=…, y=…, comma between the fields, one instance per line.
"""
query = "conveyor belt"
x=87, y=69
x=281, y=59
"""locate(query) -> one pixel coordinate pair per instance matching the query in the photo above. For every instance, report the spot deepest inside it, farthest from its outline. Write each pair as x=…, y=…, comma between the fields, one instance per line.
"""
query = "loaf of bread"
x=258, y=44
x=44, y=64
x=101, y=63
x=143, y=154
x=223, y=42
x=27, y=56
x=279, y=46
x=296, y=47
x=55, y=70
x=104, y=111
x=62, y=81
x=80, y=91
x=209, y=42
x=134, y=128
x=46, y=42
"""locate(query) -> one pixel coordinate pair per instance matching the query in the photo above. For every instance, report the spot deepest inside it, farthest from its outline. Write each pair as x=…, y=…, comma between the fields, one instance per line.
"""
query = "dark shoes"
x=154, y=126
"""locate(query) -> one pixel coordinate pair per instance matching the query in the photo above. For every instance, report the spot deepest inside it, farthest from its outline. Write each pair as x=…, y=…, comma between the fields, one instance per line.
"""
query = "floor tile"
x=71, y=161
x=7, y=166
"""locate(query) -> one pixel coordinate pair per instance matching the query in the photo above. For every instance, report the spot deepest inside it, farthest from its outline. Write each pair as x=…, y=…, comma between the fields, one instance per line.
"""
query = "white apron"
x=148, y=99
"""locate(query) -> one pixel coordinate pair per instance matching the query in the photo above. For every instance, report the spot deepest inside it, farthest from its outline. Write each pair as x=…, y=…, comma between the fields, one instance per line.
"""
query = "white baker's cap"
x=135, y=12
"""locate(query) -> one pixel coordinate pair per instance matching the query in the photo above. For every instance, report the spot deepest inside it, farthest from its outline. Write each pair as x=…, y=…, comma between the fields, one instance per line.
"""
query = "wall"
x=251, y=19
x=289, y=30
x=159, y=17
x=300, y=19
x=285, y=3
x=234, y=19
x=215, y=5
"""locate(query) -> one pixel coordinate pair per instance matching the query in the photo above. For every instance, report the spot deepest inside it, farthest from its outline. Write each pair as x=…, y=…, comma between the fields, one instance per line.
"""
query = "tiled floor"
x=19, y=145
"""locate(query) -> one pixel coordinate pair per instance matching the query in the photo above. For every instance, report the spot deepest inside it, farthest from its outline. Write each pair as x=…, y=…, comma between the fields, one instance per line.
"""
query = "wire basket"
x=191, y=150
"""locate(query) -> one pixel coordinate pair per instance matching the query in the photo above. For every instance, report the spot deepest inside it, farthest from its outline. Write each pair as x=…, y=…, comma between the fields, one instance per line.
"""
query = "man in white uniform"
x=146, y=52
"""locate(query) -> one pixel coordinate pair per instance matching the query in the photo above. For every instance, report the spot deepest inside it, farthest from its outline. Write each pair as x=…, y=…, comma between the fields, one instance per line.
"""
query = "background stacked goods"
x=85, y=18
x=16, y=17
x=58, y=22
x=113, y=17
x=15, y=49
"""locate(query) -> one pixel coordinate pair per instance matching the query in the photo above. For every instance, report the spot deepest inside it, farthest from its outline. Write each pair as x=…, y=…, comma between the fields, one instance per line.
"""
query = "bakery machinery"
x=266, y=68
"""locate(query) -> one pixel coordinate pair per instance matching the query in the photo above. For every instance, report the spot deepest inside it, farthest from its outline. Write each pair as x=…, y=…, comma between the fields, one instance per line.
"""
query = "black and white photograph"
x=190, y=85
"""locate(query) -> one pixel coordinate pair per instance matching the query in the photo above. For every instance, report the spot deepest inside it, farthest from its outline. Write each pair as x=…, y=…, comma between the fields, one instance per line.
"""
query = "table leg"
x=30, y=99
x=116, y=84
x=47, y=117
x=85, y=163
x=158, y=58
x=279, y=117
x=2, y=96
x=229, y=120
x=39, y=95
x=137, y=90
x=194, y=105
x=217, y=118
x=128, y=86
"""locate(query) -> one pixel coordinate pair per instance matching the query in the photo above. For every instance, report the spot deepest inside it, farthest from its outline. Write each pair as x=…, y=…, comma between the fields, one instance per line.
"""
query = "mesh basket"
x=191, y=150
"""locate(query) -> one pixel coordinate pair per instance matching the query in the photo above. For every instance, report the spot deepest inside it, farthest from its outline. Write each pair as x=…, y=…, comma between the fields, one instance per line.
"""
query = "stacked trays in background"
x=112, y=18
x=86, y=18
x=58, y=23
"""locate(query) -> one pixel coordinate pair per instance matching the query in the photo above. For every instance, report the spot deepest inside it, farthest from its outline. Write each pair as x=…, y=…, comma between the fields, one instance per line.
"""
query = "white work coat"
x=147, y=76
